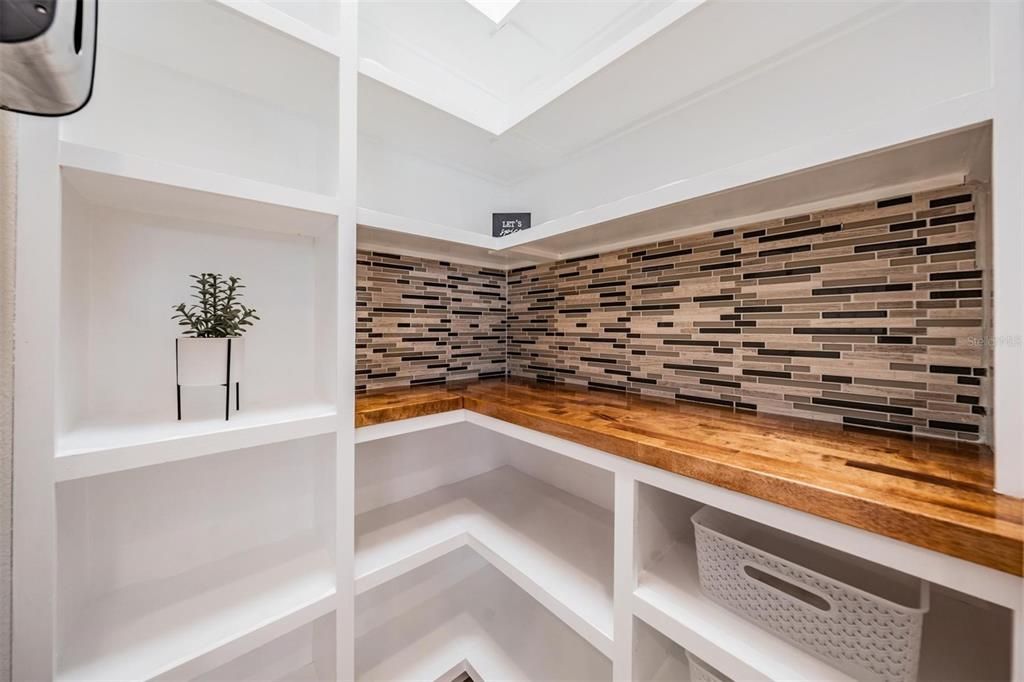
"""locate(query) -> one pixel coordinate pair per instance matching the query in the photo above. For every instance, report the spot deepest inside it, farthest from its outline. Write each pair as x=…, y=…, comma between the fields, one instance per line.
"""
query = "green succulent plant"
x=218, y=313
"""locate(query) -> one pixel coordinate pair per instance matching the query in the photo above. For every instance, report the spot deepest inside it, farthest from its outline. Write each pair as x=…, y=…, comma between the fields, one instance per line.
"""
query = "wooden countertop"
x=391, y=406
x=931, y=493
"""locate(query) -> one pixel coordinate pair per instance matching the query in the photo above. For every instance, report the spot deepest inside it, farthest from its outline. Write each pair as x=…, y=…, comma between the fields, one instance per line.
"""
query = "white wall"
x=405, y=185
x=394, y=469
x=8, y=168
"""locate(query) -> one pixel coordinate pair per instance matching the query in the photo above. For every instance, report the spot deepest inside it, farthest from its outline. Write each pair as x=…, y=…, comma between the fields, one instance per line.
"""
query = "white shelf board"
x=291, y=657
x=669, y=599
x=672, y=669
x=909, y=148
x=461, y=615
x=389, y=222
x=452, y=647
x=270, y=16
x=306, y=673
x=381, y=231
x=138, y=183
x=144, y=632
x=723, y=199
x=505, y=516
x=96, y=450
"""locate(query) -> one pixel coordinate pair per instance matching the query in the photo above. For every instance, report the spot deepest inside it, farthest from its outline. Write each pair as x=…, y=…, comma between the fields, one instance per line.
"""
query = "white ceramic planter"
x=211, y=362
x=204, y=362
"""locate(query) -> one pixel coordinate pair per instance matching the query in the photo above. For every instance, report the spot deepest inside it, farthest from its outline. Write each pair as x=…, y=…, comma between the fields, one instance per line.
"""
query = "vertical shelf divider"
x=348, y=78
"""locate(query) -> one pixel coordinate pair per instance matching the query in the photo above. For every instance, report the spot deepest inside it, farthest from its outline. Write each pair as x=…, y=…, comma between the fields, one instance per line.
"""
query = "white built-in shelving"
x=125, y=267
x=202, y=548
x=460, y=614
x=542, y=523
x=167, y=90
x=133, y=604
x=222, y=136
x=124, y=180
x=193, y=631
x=100, y=449
x=669, y=597
x=722, y=199
x=658, y=658
x=537, y=512
x=505, y=516
x=304, y=654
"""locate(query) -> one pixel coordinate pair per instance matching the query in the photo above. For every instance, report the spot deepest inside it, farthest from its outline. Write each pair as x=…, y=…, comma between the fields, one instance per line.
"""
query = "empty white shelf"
x=382, y=231
x=182, y=631
x=415, y=227
x=669, y=599
x=672, y=669
x=127, y=181
x=451, y=647
x=95, y=450
x=475, y=625
x=556, y=547
x=306, y=673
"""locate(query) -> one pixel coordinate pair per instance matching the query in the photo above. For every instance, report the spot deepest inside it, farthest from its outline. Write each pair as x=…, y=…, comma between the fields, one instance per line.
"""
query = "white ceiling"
x=495, y=10
x=586, y=71
x=539, y=42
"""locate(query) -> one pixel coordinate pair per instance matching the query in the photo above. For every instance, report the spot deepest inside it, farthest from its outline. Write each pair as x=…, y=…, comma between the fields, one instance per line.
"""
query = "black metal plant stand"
x=226, y=385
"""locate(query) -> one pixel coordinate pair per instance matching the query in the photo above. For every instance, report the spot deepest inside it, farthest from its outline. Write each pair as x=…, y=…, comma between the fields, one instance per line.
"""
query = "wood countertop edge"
x=922, y=527
x=947, y=537
x=393, y=413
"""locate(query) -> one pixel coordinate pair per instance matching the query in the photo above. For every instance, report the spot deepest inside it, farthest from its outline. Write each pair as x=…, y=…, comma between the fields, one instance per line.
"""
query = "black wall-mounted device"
x=47, y=55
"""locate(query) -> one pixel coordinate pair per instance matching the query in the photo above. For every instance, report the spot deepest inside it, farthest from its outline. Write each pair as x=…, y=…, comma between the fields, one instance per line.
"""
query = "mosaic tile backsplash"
x=871, y=315
x=423, y=321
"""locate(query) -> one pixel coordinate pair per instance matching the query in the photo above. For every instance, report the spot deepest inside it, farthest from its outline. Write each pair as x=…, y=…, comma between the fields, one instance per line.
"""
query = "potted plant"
x=210, y=351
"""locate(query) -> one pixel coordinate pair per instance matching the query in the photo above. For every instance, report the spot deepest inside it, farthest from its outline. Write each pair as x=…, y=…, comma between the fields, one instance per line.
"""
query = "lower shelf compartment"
x=160, y=630
x=305, y=654
x=963, y=638
x=656, y=658
x=555, y=546
x=669, y=597
x=458, y=614
x=175, y=569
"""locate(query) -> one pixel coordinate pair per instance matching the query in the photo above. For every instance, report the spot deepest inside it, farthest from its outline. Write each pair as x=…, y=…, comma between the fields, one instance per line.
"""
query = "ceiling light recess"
x=495, y=10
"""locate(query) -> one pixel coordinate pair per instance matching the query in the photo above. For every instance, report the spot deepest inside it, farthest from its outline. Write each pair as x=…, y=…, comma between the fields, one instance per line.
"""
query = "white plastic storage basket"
x=702, y=672
x=863, y=619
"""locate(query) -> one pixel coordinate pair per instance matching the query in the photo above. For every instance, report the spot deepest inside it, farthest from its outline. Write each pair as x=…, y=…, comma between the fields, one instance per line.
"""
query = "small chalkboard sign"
x=506, y=223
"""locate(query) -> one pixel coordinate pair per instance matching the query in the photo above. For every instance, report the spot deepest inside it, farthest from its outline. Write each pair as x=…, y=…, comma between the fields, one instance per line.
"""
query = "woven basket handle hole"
x=787, y=588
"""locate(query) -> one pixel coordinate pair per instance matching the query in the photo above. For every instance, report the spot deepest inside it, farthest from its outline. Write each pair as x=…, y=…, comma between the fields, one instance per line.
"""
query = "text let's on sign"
x=503, y=224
